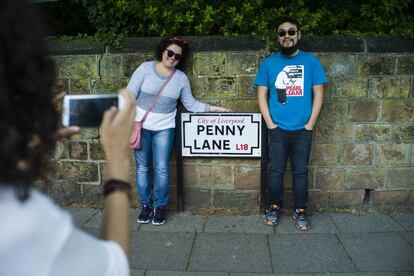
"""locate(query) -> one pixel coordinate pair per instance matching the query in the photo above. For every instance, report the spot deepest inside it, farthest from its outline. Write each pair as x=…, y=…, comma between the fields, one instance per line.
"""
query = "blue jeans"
x=296, y=145
x=156, y=146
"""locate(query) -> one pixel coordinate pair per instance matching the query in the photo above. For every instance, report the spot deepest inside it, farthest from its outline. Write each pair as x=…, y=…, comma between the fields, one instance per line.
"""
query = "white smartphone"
x=87, y=110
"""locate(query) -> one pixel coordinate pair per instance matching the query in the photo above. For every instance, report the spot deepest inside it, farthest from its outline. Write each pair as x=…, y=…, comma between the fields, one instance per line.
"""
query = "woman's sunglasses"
x=282, y=33
x=171, y=54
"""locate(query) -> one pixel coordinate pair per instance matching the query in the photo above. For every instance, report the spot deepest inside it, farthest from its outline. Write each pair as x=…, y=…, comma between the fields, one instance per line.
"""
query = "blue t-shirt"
x=296, y=76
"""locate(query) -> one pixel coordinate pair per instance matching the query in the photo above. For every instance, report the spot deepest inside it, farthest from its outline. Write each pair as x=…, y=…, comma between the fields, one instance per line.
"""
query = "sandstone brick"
x=110, y=66
x=332, y=132
x=79, y=86
x=410, y=199
x=366, y=111
x=222, y=87
x=78, y=150
x=324, y=154
x=195, y=197
x=403, y=133
x=241, y=63
x=342, y=64
x=61, y=150
x=222, y=198
x=242, y=162
x=357, y=154
x=365, y=178
x=379, y=86
x=107, y=85
x=61, y=85
x=329, y=90
x=96, y=150
x=207, y=63
x=351, y=88
x=378, y=65
x=398, y=110
x=389, y=199
x=402, y=177
x=246, y=86
x=77, y=67
x=92, y=194
x=327, y=61
x=247, y=178
x=42, y=185
x=392, y=154
x=190, y=175
x=131, y=177
x=241, y=105
x=86, y=133
x=215, y=177
x=74, y=171
x=347, y=199
x=330, y=179
x=130, y=62
x=64, y=192
x=405, y=65
x=333, y=111
x=372, y=132
x=318, y=200
x=200, y=87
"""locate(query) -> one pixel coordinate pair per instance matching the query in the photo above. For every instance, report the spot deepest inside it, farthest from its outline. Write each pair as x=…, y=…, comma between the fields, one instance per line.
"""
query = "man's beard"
x=288, y=51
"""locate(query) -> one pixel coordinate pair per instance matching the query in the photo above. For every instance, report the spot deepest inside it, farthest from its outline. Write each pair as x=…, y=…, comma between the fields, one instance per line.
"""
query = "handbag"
x=135, y=139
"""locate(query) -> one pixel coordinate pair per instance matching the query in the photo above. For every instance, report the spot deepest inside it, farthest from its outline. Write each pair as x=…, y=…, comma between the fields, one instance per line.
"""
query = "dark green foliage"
x=118, y=18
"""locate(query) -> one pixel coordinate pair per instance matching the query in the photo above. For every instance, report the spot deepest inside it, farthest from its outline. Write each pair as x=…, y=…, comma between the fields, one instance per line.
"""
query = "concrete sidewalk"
x=339, y=244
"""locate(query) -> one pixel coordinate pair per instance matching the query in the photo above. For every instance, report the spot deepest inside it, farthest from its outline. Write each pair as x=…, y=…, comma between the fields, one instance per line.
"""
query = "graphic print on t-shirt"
x=289, y=81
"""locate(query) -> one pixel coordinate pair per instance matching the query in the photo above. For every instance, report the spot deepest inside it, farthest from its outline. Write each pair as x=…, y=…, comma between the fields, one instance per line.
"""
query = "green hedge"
x=119, y=18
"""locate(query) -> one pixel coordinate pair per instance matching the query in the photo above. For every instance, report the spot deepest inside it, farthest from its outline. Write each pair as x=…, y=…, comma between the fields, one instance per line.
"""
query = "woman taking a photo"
x=159, y=126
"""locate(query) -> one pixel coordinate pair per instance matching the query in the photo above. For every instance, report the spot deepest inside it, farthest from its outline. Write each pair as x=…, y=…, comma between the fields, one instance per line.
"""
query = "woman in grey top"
x=158, y=129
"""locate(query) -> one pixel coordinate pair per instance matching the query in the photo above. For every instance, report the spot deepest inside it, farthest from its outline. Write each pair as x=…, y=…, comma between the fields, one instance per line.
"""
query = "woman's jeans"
x=296, y=145
x=156, y=146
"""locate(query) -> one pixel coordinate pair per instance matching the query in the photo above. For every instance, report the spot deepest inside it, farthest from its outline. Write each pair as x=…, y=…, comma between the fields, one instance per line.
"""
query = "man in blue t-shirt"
x=290, y=95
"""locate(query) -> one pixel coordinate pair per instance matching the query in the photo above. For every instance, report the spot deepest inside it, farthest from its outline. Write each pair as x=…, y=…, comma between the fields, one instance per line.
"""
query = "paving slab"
x=231, y=252
x=311, y=253
x=320, y=223
x=82, y=215
x=359, y=274
x=160, y=250
x=273, y=274
x=351, y=223
x=237, y=224
x=406, y=220
x=379, y=251
x=184, y=273
x=178, y=222
x=96, y=220
x=408, y=236
x=137, y=272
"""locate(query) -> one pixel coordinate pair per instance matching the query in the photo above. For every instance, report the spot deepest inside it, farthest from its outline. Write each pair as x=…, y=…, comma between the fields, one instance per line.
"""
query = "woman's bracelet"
x=113, y=185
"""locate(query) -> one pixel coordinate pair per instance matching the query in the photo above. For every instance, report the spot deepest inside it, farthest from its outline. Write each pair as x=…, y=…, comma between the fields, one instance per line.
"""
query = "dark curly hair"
x=165, y=42
x=287, y=18
x=28, y=118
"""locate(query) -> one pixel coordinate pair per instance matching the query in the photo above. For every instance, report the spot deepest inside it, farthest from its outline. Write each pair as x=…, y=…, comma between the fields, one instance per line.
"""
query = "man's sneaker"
x=272, y=215
x=159, y=215
x=301, y=220
x=146, y=214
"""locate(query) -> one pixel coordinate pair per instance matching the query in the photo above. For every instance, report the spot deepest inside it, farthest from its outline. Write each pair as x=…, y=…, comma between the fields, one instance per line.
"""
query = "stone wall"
x=362, y=155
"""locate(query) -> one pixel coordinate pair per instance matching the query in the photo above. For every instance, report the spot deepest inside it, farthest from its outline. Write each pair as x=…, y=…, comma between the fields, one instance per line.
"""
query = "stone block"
x=92, y=194
x=318, y=200
x=365, y=111
x=215, y=177
x=330, y=179
x=350, y=88
x=86, y=133
x=402, y=177
x=241, y=63
x=343, y=65
x=222, y=87
x=200, y=87
x=357, y=154
x=209, y=63
x=324, y=154
x=195, y=197
x=241, y=105
x=130, y=62
x=77, y=67
x=79, y=86
x=61, y=150
x=390, y=87
x=333, y=111
x=378, y=65
x=410, y=199
x=246, y=86
x=405, y=65
x=78, y=150
x=403, y=133
x=333, y=132
x=110, y=66
x=108, y=85
x=64, y=192
x=75, y=172
x=190, y=175
x=372, y=132
x=392, y=154
x=235, y=199
x=347, y=199
x=365, y=178
x=96, y=150
x=397, y=110
x=389, y=199
x=131, y=177
x=247, y=178
x=61, y=85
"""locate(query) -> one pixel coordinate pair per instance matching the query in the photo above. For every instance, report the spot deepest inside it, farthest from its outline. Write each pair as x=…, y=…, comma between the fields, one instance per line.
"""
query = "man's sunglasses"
x=282, y=33
x=171, y=54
